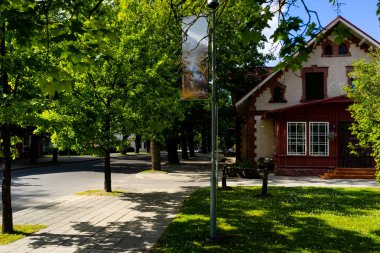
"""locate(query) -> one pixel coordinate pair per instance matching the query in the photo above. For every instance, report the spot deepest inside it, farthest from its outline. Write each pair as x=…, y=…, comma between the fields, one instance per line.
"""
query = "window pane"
x=318, y=140
x=296, y=136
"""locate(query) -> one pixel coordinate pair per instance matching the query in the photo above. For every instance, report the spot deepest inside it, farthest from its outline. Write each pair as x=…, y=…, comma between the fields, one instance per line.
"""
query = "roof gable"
x=364, y=38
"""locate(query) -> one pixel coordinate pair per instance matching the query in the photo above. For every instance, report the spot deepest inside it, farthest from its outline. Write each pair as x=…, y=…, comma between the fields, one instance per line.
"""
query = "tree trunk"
x=107, y=171
x=55, y=155
x=148, y=146
x=185, y=154
x=124, y=149
x=156, y=159
x=107, y=157
x=6, y=148
x=204, y=140
x=190, y=142
x=171, y=147
x=34, y=149
x=138, y=143
x=6, y=186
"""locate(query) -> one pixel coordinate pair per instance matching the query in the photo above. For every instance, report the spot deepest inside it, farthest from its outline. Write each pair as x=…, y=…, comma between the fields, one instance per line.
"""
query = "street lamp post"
x=213, y=4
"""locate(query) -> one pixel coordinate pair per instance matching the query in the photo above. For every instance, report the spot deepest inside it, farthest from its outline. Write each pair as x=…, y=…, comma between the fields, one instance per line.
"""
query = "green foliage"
x=340, y=33
x=292, y=219
x=365, y=110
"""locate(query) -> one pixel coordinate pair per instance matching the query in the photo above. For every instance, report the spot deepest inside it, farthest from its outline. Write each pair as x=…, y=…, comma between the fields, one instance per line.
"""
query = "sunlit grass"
x=100, y=193
x=292, y=219
x=20, y=231
x=155, y=171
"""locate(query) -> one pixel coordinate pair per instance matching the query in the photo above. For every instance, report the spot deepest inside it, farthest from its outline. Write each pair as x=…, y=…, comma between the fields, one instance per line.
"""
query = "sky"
x=361, y=13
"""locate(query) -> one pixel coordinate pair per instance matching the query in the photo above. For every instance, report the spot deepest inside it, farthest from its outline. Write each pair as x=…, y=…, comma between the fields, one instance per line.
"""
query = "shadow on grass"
x=291, y=220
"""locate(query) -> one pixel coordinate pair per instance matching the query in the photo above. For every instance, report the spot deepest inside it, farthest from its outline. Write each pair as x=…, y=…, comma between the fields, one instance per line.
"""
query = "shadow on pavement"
x=138, y=227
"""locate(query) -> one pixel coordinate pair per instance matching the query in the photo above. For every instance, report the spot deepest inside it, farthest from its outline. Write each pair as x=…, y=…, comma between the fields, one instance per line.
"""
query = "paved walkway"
x=134, y=221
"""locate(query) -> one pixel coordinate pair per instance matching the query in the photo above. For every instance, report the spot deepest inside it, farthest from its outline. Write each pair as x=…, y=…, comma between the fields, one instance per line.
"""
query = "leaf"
x=251, y=36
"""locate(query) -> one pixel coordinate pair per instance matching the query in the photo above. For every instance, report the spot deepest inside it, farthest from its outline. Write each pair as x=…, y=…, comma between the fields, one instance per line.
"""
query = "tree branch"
x=95, y=8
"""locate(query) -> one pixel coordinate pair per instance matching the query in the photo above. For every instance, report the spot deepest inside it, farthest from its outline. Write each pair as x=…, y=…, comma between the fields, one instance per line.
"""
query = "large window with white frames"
x=318, y=138
x=296, y=138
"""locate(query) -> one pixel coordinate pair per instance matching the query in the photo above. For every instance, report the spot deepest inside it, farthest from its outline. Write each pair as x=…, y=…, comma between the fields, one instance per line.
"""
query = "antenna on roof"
x=337, y=6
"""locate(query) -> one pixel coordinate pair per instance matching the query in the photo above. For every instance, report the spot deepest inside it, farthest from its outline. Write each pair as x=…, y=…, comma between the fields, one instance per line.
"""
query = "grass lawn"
x=155, y=171
x=292, y=219
x=100, y=193
x=20, y=231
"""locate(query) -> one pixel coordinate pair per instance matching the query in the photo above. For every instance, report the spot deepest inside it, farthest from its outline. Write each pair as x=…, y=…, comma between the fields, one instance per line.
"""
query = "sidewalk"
x=134, y=221
x=131, y=223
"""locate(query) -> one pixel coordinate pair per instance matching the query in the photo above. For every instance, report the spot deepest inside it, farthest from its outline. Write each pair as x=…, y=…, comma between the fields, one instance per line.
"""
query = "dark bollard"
x=264, y=188
x=224, y=179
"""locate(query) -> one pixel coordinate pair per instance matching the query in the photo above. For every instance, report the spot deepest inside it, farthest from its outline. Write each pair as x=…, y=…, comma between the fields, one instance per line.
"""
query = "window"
x=278, y=94
x=314, y=85
x=352, y=84
x=328, y=50
x=342, y=49
x=350, y=79
x=296, y=138
x=318, y=138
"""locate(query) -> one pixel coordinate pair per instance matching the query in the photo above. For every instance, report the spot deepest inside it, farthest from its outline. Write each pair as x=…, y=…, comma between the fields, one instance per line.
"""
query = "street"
x=36, y=186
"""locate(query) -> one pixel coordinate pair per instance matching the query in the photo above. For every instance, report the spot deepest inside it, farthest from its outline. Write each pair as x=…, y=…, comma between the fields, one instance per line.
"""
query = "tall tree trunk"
x=34, y=149
x=190, y=142
x=171, y=147
x=6, y=186
x=6, y=148
x=124, y=149
x=156, y=159
x=185, y=154
x=55, y=155
x=138, y=143
x=107, y=157
x=107, y=171
x=204, y=140
x=148, y=146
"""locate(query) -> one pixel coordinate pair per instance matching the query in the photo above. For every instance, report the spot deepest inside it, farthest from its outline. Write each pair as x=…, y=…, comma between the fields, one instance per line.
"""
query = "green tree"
x=27, y=29
x=89, y=117
x=20, y=63
x=157, y=105
x=365, y=110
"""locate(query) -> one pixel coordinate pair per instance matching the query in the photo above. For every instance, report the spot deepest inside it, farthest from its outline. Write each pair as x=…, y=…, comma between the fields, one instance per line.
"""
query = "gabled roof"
x=333, y=100
x=355, y=31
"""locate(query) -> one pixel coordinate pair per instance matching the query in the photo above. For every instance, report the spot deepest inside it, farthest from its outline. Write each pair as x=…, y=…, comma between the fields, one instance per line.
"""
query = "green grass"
x=291, y=219
x=100, y=193
x=155, y=171
x=140, y=153
x=20, y=231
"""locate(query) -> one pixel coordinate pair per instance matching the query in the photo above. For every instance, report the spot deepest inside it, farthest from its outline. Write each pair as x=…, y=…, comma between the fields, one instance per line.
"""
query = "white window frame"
x=287, y=139
x=327, y=143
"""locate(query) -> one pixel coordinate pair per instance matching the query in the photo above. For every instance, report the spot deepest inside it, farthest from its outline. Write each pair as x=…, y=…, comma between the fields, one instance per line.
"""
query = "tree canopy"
x=365, y=92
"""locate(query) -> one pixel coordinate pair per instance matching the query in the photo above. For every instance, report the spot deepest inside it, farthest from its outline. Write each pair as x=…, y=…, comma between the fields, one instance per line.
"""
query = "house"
x=300, y=118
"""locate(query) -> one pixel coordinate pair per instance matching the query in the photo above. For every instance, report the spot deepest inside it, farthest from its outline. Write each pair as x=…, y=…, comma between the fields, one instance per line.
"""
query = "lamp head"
x=213, y=4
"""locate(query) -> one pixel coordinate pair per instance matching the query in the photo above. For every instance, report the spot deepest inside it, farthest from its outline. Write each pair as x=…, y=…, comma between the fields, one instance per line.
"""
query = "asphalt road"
x=35, y=186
